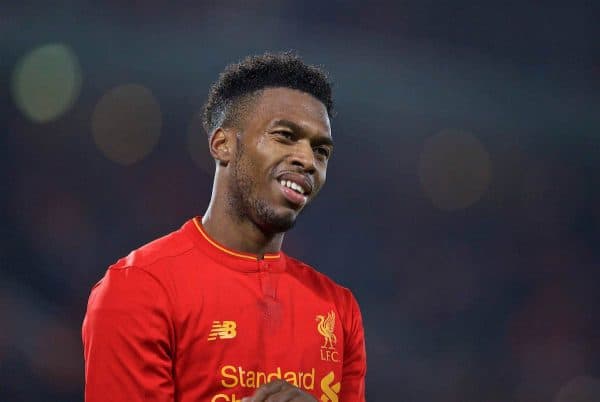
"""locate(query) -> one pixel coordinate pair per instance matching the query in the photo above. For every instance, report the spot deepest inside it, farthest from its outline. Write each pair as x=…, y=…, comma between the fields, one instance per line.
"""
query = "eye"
x=287, y=135
x=323, y=151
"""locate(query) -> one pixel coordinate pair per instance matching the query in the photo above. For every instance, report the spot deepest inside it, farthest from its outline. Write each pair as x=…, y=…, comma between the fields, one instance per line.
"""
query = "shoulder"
x=322, y=284
x=133, y=298
x=173, y=245
x=145, y=270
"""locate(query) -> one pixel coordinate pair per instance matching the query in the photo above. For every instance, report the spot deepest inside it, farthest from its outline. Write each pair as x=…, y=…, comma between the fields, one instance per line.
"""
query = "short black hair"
x=240, y=81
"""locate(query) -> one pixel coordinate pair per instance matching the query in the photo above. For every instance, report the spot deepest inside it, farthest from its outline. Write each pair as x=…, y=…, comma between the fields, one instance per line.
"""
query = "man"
x=215, y=311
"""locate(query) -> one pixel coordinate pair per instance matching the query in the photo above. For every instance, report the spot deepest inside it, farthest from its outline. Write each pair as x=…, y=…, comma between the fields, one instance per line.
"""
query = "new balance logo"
x=222, y=330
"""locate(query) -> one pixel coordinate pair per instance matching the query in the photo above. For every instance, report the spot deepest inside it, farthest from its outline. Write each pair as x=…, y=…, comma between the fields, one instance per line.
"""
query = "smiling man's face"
x=281, y=157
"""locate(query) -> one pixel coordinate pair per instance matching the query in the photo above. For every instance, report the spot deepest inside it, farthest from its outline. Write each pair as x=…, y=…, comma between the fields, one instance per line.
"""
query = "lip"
x=300, y=180
x=294, y=198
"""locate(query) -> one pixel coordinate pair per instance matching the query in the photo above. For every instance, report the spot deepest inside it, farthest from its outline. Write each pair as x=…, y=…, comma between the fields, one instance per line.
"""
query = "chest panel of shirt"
x=258, y=322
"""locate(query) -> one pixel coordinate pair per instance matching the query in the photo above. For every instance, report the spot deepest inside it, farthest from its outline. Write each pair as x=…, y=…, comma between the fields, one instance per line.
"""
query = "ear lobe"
x=220, y=146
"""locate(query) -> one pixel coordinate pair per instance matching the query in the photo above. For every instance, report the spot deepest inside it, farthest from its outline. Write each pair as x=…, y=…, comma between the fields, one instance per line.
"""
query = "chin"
x=282, y=222
x=276, y=220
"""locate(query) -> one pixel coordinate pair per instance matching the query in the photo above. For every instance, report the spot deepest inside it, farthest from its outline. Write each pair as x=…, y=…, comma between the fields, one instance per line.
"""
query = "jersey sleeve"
x=127, y=339
x=355, y=358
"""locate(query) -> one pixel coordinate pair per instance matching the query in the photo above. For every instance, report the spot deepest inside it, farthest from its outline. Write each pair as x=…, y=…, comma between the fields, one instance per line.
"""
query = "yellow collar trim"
x=228, y=251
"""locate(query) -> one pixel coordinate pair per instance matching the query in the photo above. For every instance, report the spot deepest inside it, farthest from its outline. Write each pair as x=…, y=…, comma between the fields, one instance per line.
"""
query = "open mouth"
x=293, y=193
x=295, y=188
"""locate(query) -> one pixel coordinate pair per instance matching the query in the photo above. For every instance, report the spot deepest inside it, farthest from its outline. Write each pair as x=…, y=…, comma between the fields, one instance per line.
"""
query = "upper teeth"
x=292, y=185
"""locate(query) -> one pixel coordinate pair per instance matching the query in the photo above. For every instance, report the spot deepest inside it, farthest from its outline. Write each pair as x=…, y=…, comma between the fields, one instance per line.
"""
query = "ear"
x=221, y=145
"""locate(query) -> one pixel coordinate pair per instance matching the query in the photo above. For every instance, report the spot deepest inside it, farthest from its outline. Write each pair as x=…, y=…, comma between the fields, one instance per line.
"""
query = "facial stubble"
x=246, y=205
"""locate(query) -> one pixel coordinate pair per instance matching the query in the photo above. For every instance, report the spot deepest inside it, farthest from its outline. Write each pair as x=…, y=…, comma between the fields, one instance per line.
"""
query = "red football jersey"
x=185, y=319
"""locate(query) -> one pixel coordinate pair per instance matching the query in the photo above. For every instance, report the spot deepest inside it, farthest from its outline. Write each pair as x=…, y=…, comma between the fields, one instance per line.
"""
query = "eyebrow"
x=321, y=140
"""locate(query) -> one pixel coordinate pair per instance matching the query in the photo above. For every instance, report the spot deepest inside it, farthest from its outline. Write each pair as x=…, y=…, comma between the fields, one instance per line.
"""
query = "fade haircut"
x=239, y=83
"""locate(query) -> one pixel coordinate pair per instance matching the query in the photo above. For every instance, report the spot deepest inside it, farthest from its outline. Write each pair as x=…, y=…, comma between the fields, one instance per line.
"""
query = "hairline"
x=233, y=105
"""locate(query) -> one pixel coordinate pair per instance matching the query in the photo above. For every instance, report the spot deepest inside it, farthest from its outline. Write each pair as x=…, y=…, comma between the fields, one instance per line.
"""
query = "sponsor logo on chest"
x=236, y=376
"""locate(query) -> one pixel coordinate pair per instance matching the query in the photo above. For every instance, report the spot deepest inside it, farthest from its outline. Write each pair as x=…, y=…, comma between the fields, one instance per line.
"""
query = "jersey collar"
x=236, y=259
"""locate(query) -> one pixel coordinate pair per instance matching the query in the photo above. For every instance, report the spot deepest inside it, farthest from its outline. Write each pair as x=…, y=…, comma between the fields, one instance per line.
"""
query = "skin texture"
x=283, y=131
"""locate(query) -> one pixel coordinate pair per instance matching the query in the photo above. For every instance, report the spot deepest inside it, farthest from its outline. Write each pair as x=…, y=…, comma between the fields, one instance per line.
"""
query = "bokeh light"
x=454, y=169
x=580, y=389
x=46, y=82
x=494, y=302
x=126, y=123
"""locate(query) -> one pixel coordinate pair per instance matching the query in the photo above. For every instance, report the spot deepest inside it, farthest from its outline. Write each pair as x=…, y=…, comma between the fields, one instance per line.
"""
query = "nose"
x=303, y=156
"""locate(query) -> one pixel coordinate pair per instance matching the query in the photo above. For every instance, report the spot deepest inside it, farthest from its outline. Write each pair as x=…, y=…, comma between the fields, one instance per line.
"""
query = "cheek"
x=321, y=176
x=263, y=150
x=254, y=163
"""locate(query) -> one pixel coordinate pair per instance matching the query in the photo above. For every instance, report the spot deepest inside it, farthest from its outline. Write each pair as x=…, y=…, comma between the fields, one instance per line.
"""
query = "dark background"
x=462, y=203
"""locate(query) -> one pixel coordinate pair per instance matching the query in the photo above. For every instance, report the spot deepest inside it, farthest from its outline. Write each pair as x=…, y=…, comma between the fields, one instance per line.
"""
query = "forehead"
x=290, y=104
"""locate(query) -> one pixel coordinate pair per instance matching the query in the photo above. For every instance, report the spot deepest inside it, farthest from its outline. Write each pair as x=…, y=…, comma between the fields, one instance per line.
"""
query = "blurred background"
x=462, y=204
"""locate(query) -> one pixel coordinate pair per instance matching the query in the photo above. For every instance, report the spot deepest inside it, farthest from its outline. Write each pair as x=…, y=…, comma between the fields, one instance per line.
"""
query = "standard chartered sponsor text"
x=236, y=376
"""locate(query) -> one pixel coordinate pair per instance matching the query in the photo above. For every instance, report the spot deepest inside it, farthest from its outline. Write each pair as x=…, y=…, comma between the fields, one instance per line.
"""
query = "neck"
x=240, y=234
